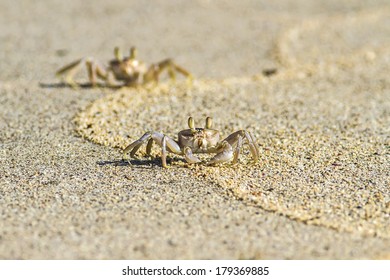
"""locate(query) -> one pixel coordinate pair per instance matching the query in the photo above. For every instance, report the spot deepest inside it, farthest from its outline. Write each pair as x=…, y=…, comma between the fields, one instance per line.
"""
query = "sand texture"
x=309, y=81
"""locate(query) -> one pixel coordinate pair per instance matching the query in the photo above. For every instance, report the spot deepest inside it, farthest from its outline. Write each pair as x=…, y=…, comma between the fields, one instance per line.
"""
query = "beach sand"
x=320, y=189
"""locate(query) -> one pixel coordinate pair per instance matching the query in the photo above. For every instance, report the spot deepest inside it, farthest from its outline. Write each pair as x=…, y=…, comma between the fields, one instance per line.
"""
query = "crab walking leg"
x=182, y=71
x=94, y=70
x=69, y=71
x=165, y=64
x=237, y=150
x=164, y=151
x=150, y=137
x=100, y=71
x=170, y=145
x=233, y=139
x=135, y=150
x=158, y=137
x=136, y=145
x=155, y=70
x=109, y=77
x=151, y=75
x=171, y=74
x=189, y=156
x=252, y=146
x=70, y=68
x=225, y=155
x=91, y=72
x=172, y=67
x=149, y=147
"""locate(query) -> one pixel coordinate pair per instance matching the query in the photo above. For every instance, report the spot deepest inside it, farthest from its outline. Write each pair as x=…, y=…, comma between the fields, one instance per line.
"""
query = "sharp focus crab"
x=129, y=71
x=195, y=141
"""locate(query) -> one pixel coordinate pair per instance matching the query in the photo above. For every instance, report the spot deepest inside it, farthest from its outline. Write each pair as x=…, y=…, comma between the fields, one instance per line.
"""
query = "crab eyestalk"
x=191, y=124
x=133, y=52
x=209, y=122
x=118, y=53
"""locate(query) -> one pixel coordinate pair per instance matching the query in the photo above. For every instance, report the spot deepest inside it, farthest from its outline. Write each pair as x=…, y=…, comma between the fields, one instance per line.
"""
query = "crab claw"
x=225, y=155
x=189, y=156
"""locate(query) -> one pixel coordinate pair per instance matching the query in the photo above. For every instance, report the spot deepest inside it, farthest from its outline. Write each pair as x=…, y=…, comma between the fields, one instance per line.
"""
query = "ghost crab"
x=127, y=70
x=195, y=141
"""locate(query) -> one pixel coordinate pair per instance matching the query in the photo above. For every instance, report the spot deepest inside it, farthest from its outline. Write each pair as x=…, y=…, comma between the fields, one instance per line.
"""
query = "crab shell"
x=200, y=140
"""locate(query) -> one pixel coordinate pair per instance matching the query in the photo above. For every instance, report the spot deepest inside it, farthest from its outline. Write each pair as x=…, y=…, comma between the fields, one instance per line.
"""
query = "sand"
x=320, y=189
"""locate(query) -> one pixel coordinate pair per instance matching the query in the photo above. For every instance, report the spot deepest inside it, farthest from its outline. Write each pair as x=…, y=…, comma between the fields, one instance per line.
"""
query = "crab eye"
x=133, y=52
x=118, y=53
x=209, y=122
x=191, y=124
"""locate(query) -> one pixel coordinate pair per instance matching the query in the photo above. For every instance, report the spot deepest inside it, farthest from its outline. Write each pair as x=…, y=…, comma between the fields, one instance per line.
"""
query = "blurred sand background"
x=319, y=191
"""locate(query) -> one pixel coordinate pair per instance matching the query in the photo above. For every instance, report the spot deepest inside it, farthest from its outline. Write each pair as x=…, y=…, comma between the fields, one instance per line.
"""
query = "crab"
x=196, y=141
x=129, y=71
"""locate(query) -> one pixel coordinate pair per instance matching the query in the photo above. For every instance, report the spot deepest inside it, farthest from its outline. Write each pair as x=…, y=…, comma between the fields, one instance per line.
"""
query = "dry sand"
x=319, y=191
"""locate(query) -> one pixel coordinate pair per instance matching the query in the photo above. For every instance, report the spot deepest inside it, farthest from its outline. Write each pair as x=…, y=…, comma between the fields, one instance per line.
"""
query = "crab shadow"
x=137, y=162
x=143, y=162
x=78, y=85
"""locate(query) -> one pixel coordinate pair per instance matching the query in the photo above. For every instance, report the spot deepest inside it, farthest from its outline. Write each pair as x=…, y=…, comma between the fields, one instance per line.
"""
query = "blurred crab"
x=129, y=71
x=197, y=140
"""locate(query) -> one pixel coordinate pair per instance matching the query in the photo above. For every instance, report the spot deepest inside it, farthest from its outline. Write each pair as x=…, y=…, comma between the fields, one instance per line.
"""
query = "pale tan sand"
x=320, y=189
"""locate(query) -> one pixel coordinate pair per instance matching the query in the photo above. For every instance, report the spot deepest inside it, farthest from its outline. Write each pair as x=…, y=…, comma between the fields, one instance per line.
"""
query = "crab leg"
x=95, y=70
x=164, y=151
x=93, y=67
x=136, y=145
x=252, y=145
x=149, y=147
x=155, y=70
x=237, y=150
x=69, y=70
x=182, y=71
x=166, y=144
x=235, y=139
x=158, y=137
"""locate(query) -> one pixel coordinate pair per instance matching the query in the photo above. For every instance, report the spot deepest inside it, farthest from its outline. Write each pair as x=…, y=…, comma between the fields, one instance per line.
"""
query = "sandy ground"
x=319, y=191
